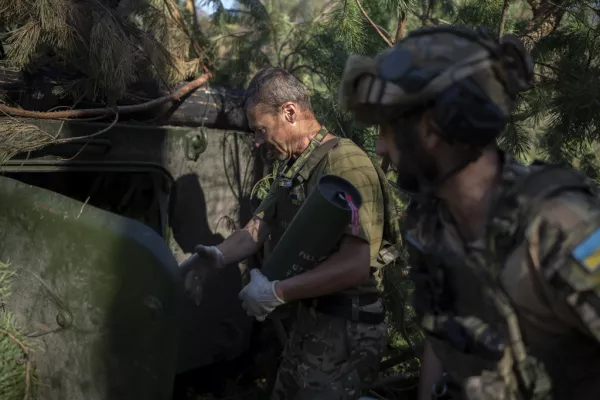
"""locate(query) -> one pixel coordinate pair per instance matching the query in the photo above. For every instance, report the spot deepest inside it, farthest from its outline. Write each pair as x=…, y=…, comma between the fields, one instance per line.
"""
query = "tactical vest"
x=492, y=336
x=291, y=188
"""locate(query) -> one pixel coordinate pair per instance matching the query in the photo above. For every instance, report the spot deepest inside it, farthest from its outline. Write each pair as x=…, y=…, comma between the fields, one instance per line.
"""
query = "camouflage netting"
x=17, y=377
x=95, y=50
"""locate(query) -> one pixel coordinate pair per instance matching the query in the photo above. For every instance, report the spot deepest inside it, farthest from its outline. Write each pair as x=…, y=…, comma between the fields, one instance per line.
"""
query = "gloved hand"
x=259, y=297
x=197, y=268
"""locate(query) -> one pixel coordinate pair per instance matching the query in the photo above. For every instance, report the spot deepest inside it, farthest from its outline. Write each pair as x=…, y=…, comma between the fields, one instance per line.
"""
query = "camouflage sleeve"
x=266, y=208
x=348, y=161
x=564, y=245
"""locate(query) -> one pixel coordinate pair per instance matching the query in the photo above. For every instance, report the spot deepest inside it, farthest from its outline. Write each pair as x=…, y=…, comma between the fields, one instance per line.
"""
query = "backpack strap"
x=391, y=241
x=315, y=159
x=313, y=154
x=522, y=196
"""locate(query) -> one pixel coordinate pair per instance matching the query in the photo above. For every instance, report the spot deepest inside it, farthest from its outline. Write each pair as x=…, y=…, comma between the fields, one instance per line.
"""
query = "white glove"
x=259, y=297
x=197, y=268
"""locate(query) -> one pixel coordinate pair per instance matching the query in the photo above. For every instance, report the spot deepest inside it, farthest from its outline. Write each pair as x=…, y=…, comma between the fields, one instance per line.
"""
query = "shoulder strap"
x=522, y=197
x=315, y=158
x=286, y=177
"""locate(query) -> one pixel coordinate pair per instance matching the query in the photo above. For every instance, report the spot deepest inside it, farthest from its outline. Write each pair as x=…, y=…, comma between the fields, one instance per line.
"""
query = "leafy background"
x=556, y=119
x=98, y=49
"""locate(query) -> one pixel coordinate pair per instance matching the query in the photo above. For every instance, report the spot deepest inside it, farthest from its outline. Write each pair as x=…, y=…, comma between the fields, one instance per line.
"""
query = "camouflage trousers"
x=328, y=358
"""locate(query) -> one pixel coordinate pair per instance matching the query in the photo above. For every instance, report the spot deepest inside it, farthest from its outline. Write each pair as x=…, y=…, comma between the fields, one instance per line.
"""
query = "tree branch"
x=401, y=28
x=426, y=18
x=503, y=18
x=25, y=352
x=373, y=24
x=556, y=69
x=175, y=14
x=96, y=112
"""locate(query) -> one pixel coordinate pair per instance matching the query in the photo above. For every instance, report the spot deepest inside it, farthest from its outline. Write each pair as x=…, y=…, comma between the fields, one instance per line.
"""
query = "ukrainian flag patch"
x=295, y=199
x=587, y=253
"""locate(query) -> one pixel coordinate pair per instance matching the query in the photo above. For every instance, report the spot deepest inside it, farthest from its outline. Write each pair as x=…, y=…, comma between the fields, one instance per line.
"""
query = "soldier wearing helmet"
x=505, y=257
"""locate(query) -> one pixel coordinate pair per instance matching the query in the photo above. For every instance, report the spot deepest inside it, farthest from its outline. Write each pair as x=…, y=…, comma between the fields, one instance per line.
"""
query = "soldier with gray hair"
x=505, y=256
x=340, y=331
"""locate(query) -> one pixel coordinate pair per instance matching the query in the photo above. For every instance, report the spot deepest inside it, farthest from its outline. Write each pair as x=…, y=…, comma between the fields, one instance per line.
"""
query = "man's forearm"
x=244, y=242
x=346, y=268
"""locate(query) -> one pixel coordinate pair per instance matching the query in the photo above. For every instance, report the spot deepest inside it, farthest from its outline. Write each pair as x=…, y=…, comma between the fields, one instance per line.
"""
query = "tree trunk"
x=191, y=7
x=401, y=26
x=503, y=18
x=547, y=16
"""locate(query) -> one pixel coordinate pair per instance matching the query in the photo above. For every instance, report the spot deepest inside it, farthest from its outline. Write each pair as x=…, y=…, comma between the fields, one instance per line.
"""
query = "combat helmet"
x=469, y=79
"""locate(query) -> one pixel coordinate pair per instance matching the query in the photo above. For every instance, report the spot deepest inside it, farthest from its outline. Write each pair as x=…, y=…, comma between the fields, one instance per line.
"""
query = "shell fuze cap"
x=429, y=63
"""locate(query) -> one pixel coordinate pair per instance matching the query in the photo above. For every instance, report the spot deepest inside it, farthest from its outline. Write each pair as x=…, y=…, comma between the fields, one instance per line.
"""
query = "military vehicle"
x=94, y=229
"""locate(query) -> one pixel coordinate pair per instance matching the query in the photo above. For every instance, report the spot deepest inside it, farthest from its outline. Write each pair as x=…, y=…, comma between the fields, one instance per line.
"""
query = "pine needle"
x=19, y=137
x=17, y=372
x=104, y=48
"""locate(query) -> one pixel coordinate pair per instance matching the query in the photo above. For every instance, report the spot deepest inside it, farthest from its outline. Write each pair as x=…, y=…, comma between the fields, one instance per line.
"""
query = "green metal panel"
x=197, y=191
x=315, y=230
x=99, y=292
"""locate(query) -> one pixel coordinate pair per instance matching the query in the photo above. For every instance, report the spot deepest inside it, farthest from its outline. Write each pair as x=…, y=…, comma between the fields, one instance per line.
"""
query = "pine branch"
x=374, y=25
x=401, y=28
x=97, y=112
x=557, y=69
x=28, y=366
x=503, y=18
x=178, y=18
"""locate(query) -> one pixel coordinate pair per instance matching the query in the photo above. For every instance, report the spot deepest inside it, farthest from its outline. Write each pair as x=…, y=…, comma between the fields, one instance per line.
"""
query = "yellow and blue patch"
x=587, y=253
x=295, y=199
x=297, y=195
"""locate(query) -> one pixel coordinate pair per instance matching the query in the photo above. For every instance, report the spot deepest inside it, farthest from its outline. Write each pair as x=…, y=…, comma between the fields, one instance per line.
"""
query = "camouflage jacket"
x=516, y=314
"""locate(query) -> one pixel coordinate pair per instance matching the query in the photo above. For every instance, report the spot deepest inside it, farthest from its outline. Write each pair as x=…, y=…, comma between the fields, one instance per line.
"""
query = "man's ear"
x=290, y=112
x=429, y=131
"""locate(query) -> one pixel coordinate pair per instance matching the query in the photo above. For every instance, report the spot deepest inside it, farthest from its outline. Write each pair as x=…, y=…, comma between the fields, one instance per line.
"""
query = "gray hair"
x=272, y=87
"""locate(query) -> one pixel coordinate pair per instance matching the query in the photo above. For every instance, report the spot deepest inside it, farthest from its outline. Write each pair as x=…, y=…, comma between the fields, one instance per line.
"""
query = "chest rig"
x=291, y=187
x=291, y=182
x=489, y=331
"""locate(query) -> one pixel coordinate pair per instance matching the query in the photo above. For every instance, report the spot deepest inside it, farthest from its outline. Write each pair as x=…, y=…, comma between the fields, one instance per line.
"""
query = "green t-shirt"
x=349, y=162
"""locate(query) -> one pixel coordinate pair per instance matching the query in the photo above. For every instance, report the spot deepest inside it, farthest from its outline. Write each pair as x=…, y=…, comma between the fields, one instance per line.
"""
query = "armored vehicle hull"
x=94, y=230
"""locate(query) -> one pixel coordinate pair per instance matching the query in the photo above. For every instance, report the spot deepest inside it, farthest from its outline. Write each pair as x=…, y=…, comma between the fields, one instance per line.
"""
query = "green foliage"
x=99, y=47
x=17, y=378
x=556, y=119
x=262, y=187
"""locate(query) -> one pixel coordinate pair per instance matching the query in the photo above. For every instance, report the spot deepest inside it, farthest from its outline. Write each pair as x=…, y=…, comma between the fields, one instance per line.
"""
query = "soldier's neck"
x=306, y=131
x=468, y=194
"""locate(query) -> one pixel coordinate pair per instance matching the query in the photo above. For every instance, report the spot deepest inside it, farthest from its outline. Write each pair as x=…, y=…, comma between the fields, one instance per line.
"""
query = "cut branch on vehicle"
x=96, y=112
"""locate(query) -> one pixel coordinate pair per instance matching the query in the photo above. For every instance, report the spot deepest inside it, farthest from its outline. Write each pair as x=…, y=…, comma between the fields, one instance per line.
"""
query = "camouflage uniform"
x=514, y=315
x=327, y=356
x=542, y=236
